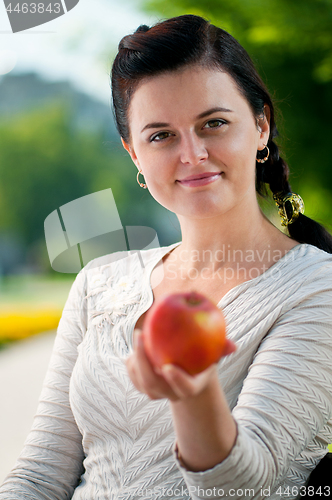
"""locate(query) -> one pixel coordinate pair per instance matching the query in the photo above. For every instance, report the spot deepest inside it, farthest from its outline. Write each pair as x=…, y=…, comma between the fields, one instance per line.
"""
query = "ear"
x=131, y=151
x=263, y=125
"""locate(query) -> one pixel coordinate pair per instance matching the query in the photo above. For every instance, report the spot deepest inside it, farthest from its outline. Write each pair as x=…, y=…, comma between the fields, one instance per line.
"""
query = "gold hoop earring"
x=263, y=160
x=144, y=186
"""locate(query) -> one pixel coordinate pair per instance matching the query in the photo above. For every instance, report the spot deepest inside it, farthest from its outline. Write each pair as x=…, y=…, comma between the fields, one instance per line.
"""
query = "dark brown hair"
x=188, y=40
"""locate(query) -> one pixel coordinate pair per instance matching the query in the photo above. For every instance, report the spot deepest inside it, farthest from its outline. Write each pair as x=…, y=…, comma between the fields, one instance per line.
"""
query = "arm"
x=285, y=402
x=205, y=428
x=51, y=461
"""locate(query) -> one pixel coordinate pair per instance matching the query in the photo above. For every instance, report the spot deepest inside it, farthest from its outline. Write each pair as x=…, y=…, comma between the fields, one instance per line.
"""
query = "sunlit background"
x=58, y=143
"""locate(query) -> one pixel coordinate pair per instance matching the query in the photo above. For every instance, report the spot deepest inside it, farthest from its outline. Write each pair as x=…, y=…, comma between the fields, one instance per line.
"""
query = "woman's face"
x=190, y=122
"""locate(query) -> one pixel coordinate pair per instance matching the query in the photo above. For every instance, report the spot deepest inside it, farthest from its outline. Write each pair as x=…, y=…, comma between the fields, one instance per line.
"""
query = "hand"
x=170, y=381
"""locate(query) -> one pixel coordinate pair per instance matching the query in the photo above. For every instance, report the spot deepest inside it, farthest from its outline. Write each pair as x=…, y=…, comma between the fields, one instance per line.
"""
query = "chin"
x=199, y=212
x=201, y=206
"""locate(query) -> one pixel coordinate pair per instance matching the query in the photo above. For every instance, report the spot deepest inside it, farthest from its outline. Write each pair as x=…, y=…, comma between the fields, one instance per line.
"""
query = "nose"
x=193, y=150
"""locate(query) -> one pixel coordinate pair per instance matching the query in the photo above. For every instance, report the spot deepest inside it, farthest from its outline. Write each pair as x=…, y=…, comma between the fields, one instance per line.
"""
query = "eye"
x=215, y=123
x=161, y=136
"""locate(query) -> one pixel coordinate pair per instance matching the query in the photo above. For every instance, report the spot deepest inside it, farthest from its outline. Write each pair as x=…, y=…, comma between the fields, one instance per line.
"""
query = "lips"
x=202, y=175
x=208, y=178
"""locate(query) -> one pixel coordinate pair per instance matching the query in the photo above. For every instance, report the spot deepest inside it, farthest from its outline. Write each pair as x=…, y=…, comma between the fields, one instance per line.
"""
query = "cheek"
x=158, y=175
x=243, y=142
x=238, y=155
x=241, y=148
x=158, y=166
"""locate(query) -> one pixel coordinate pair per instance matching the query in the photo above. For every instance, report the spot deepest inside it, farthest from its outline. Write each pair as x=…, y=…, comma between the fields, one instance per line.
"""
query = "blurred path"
x=22, y=370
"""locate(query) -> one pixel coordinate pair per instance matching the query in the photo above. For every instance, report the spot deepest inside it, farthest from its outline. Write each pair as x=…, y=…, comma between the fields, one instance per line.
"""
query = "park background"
x=58, y=143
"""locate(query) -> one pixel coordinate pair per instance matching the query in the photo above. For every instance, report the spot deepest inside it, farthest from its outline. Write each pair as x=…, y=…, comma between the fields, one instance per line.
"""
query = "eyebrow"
x=201, y=115
x=213, y=110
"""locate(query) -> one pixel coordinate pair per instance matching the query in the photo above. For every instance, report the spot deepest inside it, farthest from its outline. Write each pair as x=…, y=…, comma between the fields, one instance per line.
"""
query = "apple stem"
x=193, y=302
x=193, y=299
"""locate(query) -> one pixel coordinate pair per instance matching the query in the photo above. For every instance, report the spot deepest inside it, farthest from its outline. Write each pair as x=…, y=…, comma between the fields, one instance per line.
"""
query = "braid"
x=275, y=173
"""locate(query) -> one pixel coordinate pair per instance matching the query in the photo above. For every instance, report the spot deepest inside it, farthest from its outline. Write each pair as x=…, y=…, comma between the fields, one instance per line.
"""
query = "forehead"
x=188, y=91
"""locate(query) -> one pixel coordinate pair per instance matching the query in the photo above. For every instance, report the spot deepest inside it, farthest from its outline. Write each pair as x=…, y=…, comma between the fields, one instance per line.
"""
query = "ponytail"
x=306, y=230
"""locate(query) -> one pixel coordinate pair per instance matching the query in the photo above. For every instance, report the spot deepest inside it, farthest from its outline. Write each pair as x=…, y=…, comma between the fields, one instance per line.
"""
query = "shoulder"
x=305, y=284
x=305, y=262
x=301, y=272
x=303, y=275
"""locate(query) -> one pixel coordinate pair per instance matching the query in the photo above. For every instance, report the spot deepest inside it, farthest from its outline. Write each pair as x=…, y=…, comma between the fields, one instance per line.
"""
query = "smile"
x=200, y=182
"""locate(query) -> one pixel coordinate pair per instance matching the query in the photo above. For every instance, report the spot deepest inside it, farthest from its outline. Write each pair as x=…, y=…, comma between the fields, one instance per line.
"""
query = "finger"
x=137, y=379
x=149, y=381
x=146, y=366
x=138, y=364
x=183, y=384
x=229, y=347
x=175, y=377
x=143, y=365
x=136, y=333
x=130, y=364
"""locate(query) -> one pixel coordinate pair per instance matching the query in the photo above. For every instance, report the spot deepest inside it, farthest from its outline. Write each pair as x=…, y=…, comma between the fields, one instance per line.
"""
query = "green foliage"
x=45, y=163
x=276, y=26
x=290, y=41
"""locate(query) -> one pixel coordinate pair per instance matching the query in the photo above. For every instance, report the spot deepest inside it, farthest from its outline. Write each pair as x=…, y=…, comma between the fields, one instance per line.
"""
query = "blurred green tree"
x=45, y=162
x=290, y=42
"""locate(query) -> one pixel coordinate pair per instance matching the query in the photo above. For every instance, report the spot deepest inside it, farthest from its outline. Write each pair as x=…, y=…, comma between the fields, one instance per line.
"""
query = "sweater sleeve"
x=285, y=402
x=51, y=462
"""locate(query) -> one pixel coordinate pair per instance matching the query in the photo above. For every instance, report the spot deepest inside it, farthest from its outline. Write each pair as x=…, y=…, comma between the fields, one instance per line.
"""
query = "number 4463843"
x=34, y=8
x=321, y=491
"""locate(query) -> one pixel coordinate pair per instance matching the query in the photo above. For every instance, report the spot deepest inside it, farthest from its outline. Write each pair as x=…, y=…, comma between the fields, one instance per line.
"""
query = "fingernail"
x=166, y=368
x=158, y=370
x=137, y=338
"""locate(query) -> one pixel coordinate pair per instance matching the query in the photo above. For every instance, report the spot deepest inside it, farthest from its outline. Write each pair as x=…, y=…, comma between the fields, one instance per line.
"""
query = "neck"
x=224, y=241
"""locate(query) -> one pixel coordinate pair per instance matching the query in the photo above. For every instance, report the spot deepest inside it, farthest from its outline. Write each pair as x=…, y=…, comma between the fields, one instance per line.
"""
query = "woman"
x=189, y=105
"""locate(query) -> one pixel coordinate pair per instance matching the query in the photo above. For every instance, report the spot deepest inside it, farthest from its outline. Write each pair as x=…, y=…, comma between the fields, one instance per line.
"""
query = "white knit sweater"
x=95, y=437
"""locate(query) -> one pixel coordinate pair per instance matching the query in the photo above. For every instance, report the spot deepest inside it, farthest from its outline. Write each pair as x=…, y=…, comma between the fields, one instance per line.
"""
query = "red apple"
x=185, y=329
